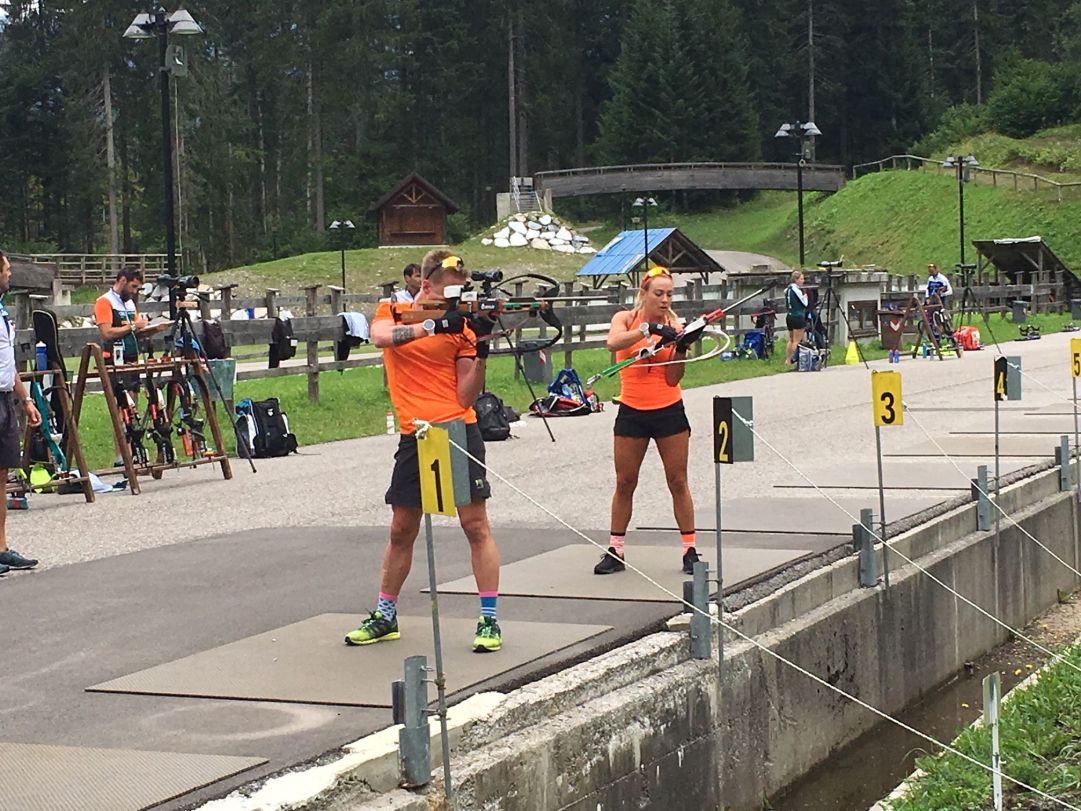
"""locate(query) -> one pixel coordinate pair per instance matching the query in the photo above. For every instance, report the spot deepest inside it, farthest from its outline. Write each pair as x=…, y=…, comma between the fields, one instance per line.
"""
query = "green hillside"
x=899, y=220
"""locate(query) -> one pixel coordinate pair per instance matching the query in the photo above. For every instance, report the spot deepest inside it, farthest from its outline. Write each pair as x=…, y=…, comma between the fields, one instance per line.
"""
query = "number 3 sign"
x=886, y=398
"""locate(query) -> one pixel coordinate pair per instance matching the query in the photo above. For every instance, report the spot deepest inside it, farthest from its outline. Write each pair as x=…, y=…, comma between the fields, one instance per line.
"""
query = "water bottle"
x=41, y=356
x=390, y=423
x=118, y=353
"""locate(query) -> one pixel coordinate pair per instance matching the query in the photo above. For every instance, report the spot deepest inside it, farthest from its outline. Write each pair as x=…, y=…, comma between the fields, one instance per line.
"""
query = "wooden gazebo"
x=414, y=212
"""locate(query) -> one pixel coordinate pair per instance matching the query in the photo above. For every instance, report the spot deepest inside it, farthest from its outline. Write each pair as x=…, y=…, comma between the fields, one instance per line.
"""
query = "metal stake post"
x=998, y=481
x=882, y=509
x=1076, y=444
x=440, y=680
x=992, y=688
x=720, y=577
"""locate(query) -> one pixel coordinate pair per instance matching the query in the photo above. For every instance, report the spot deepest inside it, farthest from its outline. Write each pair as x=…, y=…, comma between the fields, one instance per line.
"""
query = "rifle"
x=695, y=327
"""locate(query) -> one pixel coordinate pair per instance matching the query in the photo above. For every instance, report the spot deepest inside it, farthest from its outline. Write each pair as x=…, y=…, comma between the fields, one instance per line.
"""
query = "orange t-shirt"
x=422, y=375
x=643, y=383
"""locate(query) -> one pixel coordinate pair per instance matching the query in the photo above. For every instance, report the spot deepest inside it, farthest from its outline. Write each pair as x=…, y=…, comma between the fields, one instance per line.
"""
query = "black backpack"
x=214, y=343
x=264, y=428
x=491, y=418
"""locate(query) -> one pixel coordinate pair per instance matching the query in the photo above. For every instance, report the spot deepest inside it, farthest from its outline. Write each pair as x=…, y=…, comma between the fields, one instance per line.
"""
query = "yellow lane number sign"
x=886, y=398
x=1075, y=356
x=436, y=477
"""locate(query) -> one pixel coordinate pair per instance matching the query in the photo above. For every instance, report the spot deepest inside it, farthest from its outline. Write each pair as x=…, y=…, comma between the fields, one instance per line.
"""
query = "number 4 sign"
x=886, y=398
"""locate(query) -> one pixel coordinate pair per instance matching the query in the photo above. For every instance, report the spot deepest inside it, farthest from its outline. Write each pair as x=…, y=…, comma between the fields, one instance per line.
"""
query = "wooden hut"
x=414, y=212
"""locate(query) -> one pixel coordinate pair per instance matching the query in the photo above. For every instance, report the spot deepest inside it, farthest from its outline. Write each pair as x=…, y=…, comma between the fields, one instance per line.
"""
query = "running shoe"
x=376, y=628
x=690, y=557
x=488, y=638
x=4, y=570
x=13, y=560
x=611, y=563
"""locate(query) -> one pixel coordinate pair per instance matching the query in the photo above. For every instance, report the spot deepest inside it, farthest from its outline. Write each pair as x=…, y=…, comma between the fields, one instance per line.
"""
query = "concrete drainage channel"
x=645, y=726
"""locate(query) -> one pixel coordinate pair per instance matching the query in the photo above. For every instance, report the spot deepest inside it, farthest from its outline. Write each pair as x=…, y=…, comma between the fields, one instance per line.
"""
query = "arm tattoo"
x=401, y=335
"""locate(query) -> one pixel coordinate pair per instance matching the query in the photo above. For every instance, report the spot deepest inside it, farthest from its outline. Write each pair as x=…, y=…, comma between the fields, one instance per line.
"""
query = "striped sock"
x=688, y=540
x=387, y=605
x=487, y=603
x=616, y=542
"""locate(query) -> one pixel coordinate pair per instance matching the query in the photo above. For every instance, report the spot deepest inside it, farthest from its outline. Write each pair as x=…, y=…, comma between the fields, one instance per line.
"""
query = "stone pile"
x=539, y=231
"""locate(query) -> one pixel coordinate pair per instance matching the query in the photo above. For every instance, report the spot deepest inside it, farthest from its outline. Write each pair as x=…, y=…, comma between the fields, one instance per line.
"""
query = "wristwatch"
x=644, y=328
x=429, y=326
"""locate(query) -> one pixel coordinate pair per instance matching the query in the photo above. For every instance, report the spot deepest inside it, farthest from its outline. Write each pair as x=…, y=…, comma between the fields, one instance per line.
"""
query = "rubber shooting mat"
x=923, y=475
x=567, y=572
x=308, y=662
x=983, y=446
x=811, y=514
x=69, y=778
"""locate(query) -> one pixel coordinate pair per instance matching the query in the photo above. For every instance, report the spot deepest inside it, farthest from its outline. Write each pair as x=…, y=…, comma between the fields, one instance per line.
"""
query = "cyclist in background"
x=937, y=283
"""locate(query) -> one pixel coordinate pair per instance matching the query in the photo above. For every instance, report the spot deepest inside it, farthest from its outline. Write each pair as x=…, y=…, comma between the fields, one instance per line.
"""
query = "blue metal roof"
x=620, y=256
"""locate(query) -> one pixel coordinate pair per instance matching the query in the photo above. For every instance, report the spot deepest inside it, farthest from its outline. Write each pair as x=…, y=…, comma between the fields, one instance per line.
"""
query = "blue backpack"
x=567, y=397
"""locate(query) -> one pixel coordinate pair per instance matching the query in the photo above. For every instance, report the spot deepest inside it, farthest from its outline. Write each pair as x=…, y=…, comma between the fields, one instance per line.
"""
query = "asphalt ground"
x=196, y=562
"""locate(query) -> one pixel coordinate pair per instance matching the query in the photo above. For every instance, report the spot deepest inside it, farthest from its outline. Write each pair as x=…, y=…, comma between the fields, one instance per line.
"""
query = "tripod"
x=968, y=294
x=833, y=301
x=180, y=341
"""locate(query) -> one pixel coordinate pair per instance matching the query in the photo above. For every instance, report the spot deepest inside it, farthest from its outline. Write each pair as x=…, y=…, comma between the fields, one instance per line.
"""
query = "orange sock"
x=616, y=542
x=688, y=540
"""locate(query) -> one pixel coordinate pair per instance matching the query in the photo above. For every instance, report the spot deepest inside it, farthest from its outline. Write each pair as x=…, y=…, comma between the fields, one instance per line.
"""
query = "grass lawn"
x=1040, y=734
x=354, y=403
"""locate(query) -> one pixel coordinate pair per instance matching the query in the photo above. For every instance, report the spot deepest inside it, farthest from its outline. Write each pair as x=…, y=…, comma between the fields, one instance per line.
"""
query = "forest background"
x=297, y=113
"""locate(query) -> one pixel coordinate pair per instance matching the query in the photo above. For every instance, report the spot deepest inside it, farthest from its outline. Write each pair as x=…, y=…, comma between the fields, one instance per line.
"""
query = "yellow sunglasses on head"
x=653, y=273
x=452, y=262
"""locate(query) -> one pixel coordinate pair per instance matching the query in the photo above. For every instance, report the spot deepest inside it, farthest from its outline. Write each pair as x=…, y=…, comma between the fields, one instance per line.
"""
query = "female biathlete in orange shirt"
x=651, y=407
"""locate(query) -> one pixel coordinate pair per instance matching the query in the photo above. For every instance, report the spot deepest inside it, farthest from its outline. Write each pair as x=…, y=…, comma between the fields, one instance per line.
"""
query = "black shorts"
x=655, y=424
x=10, y=453
x=795, y=322
x=404, y=490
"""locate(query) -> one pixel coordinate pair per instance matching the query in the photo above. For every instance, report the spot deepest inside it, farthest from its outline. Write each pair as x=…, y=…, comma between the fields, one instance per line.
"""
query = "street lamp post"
x=644, y=203
x=801, y=130
x=962, y=164
x=342, y=228
x=161, y=24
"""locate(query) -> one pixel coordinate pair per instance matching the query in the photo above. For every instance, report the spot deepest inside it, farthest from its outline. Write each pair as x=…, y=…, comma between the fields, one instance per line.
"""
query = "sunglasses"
x=653, y=273
x=452, y=262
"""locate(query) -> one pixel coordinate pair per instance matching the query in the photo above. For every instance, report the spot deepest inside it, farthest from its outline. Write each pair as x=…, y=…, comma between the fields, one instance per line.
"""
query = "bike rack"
x=71, y=445
x=165, y=365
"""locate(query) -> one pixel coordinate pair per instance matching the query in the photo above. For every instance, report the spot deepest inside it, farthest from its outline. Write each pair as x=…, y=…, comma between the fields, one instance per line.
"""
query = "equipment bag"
x=264, y=428
x=968, y=337
x=214, y=344
x=567, y=397
x=754, y=342
x=491, y=419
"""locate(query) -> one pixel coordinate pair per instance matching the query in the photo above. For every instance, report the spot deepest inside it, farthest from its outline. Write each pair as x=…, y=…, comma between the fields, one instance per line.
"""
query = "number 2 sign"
x=886, y=399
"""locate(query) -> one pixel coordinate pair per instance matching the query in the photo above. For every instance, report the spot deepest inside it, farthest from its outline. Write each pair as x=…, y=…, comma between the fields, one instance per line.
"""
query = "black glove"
x=687, y=339
x=667, y=333
x=452, y=322
x=482, y=327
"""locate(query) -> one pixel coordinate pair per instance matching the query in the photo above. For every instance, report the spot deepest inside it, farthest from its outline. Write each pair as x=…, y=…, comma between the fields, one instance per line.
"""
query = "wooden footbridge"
x=653, y=177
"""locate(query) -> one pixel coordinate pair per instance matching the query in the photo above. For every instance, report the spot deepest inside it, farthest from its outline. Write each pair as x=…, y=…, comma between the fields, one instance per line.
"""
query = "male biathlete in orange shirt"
x=651, y=407
x=435, y=371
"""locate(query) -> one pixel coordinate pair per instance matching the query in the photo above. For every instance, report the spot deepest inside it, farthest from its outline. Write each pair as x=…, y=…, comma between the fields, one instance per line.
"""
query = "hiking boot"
x=13, y=560
x=690, y=557
x=610, y=563
x=376, y=628
x=488, y=638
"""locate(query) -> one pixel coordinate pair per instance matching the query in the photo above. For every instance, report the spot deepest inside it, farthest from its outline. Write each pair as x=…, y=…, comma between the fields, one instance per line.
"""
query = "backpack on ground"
x=264, y=428
x=968, y=337
x=491, y=417
x=567, y=397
